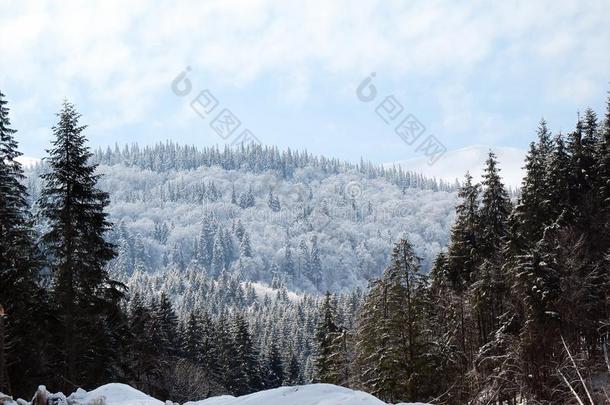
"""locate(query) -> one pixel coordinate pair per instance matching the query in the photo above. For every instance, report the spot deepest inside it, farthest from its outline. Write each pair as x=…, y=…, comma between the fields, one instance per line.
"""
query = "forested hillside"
x=514, y=309
x=310, y=223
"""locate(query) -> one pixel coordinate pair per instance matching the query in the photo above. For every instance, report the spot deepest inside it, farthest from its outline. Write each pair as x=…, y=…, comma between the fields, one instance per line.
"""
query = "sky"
x=469, y=72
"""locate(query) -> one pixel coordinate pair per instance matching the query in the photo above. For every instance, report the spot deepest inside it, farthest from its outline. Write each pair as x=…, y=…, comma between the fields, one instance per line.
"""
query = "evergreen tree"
x=603, y=162
x=293, y=374
x=288, y=261
x=391, y=348
x=534, y=207
x=247, y=355
x=192, y=338
x=315, y=263
x=83, y=293
x=326, y=332
x=494, y=211
x=168, y=326
x=489, y=291
x=462, y=255
x=245, y=250
x=20, y=296
x=273, y=202
x=275, y=368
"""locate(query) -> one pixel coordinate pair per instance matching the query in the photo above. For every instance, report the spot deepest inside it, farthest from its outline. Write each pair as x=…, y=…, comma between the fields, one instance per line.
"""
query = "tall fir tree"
x=391, y=347
x=462, y=255
x=326, y=332
x=85, y=297
x=21, y=297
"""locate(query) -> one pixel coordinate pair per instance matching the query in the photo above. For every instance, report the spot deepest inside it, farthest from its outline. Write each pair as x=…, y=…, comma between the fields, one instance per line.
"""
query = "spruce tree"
x=84, y=295
x=20, y=296
x=326, y=332
x=462, y=255
x=391, y=347
x=494, y=211
x=246, y=354
x=275, y=368
x=489, y=291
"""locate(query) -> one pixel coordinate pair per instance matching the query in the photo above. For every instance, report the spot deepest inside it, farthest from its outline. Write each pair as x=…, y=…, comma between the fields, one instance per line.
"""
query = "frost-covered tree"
x=391, y=344
x=462, y=255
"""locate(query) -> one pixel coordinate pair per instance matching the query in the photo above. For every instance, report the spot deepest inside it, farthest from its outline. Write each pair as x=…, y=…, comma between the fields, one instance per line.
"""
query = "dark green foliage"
x=392, y=344
x=462, y=255
x=275, y=368
x=23, y=301
x=83, y=295
x=326, y=332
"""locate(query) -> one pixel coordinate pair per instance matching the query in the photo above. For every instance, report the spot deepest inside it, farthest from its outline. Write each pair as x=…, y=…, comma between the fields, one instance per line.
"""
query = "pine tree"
x=191, y=340
x=20, y=295
x=462, y=255
x=245, y=250
x=489, y=290
x=205, y=252
x=288, y=261
x=534, y=208
x=342, y=358
x=229, y=366
x=168, y=326
x=315, y=263
x=326, y=332
x=145, y=362
x=218, y=255
x=247, y=355
x=293, y=374
x=391, y=348
x=275, y=368
x=603, y=161
x=273, y=202
x=494, y=211
x=83, y=293
x=558, y=175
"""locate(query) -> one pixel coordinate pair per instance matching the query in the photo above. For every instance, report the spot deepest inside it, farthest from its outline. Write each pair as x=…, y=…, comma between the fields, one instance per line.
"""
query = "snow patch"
x=112, y=394
x=122, y=394
x=263, y=290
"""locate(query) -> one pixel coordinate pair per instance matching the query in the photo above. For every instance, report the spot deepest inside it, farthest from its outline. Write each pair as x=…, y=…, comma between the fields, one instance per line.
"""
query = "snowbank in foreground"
x=314, y=394
x=113, y=394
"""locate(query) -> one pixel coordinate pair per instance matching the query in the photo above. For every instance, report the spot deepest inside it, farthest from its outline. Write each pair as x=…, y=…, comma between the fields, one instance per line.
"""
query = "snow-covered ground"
x=314, y=394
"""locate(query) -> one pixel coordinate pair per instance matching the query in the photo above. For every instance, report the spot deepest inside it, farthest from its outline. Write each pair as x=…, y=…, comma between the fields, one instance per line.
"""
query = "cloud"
x=118, y=57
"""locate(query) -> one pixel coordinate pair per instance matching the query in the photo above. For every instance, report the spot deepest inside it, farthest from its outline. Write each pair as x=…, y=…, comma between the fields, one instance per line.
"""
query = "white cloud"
x=120, y=56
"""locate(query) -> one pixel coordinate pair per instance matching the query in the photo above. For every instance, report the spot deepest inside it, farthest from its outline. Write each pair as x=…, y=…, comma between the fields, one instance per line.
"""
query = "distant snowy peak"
x=454, y=164
x=28, y=161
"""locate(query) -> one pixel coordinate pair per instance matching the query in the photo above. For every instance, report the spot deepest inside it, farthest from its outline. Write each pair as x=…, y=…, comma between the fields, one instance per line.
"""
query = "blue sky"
x=471, y=72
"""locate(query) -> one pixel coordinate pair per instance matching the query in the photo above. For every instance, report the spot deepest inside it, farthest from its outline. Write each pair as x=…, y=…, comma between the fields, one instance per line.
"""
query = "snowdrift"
x=121, y=394
x=314, y=394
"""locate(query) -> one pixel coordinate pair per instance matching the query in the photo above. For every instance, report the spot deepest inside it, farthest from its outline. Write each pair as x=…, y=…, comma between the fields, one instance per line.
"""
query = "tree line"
x=515, y=309
x=69, y=323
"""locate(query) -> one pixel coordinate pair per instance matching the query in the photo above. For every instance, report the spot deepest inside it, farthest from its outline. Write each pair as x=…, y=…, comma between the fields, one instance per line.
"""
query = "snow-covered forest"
x=311, y=223
x=191, y=274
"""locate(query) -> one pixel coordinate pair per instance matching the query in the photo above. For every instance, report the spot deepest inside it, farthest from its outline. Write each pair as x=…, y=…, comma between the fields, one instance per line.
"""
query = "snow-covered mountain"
x=28, y=161
x=312, y=223
x=454, y=164
x=121, y=394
